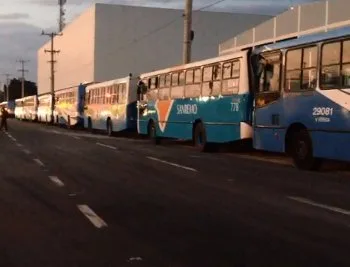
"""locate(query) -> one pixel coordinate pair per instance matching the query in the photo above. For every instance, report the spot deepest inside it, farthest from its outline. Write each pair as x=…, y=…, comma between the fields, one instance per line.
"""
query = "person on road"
x=4, y=115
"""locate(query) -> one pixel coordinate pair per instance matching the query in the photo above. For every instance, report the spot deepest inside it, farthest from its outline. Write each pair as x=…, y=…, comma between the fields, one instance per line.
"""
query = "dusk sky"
x=21, y=22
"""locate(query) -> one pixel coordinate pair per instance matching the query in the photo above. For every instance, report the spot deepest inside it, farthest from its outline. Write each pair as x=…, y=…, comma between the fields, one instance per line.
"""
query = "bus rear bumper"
x=246, y=130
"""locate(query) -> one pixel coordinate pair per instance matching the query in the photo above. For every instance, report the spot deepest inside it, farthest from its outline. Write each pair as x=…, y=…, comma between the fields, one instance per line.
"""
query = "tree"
x=2, y=96
x=15, y=89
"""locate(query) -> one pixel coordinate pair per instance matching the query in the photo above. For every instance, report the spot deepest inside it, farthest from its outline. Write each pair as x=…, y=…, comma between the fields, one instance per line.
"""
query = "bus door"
x=268, y=104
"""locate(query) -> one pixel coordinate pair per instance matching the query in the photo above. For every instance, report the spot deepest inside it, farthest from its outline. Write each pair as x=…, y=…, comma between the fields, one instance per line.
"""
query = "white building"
x=111, y=41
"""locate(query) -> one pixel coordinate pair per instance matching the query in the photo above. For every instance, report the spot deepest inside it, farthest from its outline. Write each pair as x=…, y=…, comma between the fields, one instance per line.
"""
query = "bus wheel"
x=90, y=125
x=302, y=151
x=109, y=128
x=200, y=137
x=152, y=133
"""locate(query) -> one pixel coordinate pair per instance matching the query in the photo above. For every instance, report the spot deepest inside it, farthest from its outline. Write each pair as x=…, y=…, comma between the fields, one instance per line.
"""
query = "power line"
x=210, y=5
x=23, y=70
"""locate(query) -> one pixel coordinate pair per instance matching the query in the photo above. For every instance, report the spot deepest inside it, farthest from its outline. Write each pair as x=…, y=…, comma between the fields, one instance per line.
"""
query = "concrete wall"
x=75, y=62
x=301, y=20
x=139, y=39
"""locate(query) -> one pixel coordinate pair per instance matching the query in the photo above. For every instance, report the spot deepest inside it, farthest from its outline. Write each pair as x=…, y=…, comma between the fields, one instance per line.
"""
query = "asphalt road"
x=68, y=198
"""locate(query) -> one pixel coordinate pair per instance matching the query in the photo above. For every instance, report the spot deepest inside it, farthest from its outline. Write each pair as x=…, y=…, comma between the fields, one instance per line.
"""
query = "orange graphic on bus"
x=163, y=108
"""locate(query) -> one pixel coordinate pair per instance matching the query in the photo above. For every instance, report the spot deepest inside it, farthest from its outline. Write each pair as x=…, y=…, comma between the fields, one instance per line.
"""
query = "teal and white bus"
x=207, y=101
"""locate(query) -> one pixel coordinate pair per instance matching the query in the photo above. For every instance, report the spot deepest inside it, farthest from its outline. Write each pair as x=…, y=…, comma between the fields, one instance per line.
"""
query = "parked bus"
x=69, y=106
x=26, y=108
x=111, y=106
x=45, y=108
x=19, y=109
x=207, y=101
x=302, y=98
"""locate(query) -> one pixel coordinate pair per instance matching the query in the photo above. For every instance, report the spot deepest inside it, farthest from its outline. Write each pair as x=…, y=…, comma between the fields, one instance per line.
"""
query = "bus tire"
x=302, y=151
x=200, y=137
x=90, y=125
x=152, y=133
x=109, y=127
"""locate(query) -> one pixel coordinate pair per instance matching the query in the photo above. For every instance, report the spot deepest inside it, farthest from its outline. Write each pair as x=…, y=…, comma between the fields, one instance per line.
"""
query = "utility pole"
x=188, y=33
x=7, y=86
x=61, y=21
x=23, y=70
x=52, y=62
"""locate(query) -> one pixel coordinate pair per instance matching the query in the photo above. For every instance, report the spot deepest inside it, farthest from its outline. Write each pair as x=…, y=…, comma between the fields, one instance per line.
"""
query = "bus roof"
x=196, y=64
x=44, y=94
x=108, y=83
x=306, y=39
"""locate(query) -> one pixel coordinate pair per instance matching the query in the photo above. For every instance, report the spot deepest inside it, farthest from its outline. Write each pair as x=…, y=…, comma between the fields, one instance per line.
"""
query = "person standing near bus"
x=4, y=116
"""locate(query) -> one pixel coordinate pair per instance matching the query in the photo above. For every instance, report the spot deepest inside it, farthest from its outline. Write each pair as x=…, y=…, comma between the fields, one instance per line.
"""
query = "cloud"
x=19, y=40
x=14, y=16
x=55, y=2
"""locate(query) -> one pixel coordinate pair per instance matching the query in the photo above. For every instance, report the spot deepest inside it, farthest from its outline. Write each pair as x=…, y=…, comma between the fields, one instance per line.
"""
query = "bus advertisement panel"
x=302, y=107
x=69, y=106
x=45, y=107
x=111, y=106
x=207, y=101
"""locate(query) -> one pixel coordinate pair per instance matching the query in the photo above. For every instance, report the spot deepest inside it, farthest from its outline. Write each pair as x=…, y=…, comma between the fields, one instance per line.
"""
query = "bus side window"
x=301, y=67
x=162, y=81
x=231, y=74
x=217, y=76
x=207, y=83
x=270, y=65
x=331, y=65
x=152, y=94
x=167, y=80
x=178, y=85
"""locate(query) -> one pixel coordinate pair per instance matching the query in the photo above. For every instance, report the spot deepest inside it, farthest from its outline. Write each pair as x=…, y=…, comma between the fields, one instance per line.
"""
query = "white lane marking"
x=76, y=137
x=56, y=181
x=111, y=147
x=26, y=151
x=92, y=216
x=19, y=145
x=271, y=160
x=323, y=206
x=135, y=259
x=173, y=164
x=39, y=162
